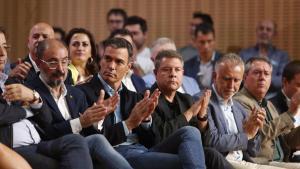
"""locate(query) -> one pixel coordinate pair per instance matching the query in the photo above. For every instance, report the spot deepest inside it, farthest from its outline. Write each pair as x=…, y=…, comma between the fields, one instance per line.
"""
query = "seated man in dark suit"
x=289, y=96
x=278, y=133
x=132, y=81
x=231, y=130
x=128, y=127
x=69, y=111
x=26, y=70
x=176, y=110
x=17, y=131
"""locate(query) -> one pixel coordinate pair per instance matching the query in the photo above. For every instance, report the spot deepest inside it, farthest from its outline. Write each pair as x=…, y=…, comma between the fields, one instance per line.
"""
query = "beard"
x=51, y=82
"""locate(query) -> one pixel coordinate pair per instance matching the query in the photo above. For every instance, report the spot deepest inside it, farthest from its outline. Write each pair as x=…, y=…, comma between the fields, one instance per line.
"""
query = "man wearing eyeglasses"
x=26, y=70
x=69, y=107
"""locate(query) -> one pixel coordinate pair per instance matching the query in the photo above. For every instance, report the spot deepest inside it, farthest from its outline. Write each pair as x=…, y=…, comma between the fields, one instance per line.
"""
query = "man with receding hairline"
x=278, y=132
x=69, y=110
x=26, y=69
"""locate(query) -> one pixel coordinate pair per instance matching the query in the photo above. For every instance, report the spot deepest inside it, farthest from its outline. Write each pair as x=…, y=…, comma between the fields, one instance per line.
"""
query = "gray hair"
x=254, y=59
x=230, y=58
x=162, y=41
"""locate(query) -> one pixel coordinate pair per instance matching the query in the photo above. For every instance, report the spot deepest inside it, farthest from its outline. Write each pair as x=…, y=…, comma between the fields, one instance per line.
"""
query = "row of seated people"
x=230, y=137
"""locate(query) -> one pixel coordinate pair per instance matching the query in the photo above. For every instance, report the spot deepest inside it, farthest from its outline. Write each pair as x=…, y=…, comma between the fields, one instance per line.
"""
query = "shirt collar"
x=63, y=88
x=288, y=100
x=3, y=78
x=220, y=99
x=107, y=87
x=35, y=67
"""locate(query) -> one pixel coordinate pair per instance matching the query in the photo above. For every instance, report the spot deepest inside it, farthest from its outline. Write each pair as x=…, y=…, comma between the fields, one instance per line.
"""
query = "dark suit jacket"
x=32, y=74
x=115, y=132
x=280, y=102
x=10, y=114
x=165, y=122
x=138, y=83
x=191, y=67
x=76, y=104
x=218, y=137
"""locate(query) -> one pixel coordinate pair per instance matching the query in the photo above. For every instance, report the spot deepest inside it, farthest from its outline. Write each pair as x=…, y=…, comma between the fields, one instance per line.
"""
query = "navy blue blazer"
x=138, y=83
x=191, y=67
x=115, y=132
x=76, y=103
x=217, y=136
x=10, y=114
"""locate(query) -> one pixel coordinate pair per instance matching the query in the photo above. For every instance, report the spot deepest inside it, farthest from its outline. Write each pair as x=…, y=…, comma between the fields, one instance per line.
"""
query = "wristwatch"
x=204, y=118
x=36, y=96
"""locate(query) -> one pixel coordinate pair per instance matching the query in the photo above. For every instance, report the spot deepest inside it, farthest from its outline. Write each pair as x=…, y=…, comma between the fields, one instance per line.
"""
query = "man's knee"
x=191, y=133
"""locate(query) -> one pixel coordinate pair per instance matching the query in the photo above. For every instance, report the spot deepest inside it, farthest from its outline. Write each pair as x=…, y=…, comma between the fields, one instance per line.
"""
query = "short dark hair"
x=117, y=11
x=206, y=18
x=60, y=31
x=122, y=32
x=119, y=43
x=137, y=20
x=92, y=64
x=291, y=69
x=205, y=29
x=166, y=54
x=254, y=59
x=44, y=45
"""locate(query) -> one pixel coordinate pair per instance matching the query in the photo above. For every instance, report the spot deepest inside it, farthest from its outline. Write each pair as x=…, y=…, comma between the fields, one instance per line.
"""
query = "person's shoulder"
x=74, y=90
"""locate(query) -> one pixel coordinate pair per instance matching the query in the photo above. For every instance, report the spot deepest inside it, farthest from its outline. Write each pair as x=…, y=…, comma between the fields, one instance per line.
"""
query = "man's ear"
x=214, y=76
x=130, y=65
x=155, y=72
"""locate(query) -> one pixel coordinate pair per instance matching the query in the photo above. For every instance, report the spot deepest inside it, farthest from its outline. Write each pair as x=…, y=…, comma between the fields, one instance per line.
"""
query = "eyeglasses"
x=55, y=64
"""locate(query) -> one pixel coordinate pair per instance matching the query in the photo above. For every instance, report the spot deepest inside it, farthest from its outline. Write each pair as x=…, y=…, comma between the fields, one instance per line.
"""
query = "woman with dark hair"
x=83, y=53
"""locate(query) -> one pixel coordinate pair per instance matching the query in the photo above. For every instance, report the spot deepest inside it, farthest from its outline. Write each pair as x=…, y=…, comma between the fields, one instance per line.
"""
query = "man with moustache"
x=128, y=128
x=26, y=70
x=278, y=133
x=18, y=131
x=69, y=111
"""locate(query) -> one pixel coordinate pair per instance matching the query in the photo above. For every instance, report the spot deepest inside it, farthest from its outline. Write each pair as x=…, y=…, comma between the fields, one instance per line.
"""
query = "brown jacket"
x=281, y=125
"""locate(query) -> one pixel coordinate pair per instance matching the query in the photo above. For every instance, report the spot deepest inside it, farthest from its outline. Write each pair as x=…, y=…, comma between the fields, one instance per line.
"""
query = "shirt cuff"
x=126, y=131
x=37, y=105
x=147, y=125
x=75, y=125
x=98, y=125
x=28, y=113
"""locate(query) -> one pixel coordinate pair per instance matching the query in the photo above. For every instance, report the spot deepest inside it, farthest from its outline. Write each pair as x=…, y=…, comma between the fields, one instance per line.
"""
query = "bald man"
x=265, y=33
x=26, y=70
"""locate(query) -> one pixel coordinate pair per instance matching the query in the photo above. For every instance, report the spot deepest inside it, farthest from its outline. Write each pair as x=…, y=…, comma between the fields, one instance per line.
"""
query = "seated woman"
x=82, y=51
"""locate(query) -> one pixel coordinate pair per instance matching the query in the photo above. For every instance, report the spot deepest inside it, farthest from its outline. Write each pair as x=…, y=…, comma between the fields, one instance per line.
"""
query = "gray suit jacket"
x=217, y=136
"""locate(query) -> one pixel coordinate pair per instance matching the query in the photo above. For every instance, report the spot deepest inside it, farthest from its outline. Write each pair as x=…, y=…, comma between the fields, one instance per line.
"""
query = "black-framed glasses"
x=55, y=64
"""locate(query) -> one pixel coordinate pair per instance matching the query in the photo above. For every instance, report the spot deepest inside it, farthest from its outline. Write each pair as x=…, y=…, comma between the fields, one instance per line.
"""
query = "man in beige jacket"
x=276, y=129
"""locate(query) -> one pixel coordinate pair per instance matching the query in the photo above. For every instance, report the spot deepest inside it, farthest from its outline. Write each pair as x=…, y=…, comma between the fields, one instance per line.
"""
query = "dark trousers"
x=215, y=160
x=67, y=152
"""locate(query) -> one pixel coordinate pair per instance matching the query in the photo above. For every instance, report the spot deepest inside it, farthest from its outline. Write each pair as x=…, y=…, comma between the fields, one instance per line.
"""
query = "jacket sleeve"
x=10, y=114
x=222, y=141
